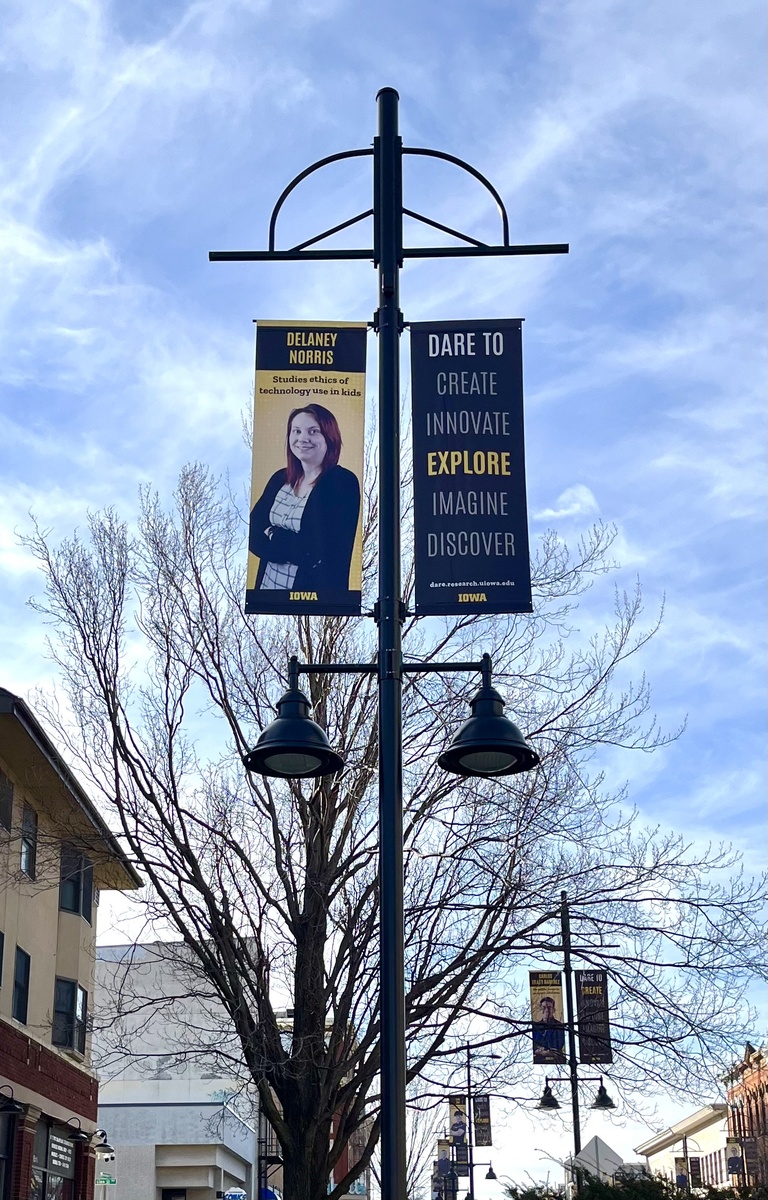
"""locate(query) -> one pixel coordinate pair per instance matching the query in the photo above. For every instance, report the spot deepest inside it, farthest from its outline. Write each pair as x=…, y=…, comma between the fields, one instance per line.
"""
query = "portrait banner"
x=457, y=1119
x=592, y=1017
x=481, y=1119
x=444, y=1161
x=548, y=1027
x=681, y=1172
x=470, y=510
x=305, y=534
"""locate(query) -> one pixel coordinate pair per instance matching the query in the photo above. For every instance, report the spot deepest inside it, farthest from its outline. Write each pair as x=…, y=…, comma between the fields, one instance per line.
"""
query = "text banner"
x=471, y=522
x=305, y=540
x=481, y=1117
x=592, y=1017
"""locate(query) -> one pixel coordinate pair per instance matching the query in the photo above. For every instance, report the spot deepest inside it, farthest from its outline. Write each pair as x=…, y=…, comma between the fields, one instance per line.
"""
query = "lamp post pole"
x=388, y=224
x=470, y=1129
x=565, y=925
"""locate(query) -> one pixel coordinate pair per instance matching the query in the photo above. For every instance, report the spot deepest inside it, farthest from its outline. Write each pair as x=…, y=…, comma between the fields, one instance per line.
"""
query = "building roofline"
x=689, y=1125
x=20, y=710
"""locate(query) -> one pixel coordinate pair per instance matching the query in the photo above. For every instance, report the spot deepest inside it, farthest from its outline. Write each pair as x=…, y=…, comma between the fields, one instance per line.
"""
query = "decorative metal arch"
x=301, y=251
x=465, y=166
x=321, y=162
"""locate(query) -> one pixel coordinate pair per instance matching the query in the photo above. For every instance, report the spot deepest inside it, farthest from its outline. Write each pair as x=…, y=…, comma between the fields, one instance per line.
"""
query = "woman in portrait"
x=303, y=525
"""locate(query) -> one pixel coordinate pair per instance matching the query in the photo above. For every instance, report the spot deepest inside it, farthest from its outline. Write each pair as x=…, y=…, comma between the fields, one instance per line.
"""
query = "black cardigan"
x=322, y=549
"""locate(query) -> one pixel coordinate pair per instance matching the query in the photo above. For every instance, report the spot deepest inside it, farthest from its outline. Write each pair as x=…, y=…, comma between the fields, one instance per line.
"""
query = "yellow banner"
x=305, y=537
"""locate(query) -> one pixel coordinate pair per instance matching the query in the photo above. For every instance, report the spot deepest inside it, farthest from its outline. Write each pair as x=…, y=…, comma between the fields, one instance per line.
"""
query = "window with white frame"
x=70, y=1015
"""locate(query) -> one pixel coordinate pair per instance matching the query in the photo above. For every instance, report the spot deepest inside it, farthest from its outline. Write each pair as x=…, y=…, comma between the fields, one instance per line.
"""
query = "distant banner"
x=457, y=1119
x=461, y=1158
x=547, y=1016
x=471, y=523
x=443, y=1163
x=681, y=1172
x=592, y=1017
x=305, y=542
x=481, y=1119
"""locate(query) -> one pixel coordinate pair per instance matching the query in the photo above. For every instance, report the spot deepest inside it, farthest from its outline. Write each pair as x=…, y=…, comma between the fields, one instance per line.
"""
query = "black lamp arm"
x=296, y=668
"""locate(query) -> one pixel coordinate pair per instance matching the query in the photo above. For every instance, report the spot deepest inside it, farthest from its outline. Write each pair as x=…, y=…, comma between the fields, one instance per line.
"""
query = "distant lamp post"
x=601, y=1101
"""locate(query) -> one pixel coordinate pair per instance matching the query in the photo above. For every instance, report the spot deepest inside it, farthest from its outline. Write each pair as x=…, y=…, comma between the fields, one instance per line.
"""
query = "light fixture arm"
x=296, y=668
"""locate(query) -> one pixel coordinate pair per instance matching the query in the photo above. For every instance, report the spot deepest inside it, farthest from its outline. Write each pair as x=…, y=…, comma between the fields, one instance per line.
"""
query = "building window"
x=21, y=986
x=76, y=885
x=70, y=1014
x=6, y=804
x=53, y=1163
x=29, y=841
x=6, y=1152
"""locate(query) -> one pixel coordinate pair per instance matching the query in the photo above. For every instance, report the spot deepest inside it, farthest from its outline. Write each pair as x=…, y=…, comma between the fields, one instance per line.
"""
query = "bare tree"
x=272, y=885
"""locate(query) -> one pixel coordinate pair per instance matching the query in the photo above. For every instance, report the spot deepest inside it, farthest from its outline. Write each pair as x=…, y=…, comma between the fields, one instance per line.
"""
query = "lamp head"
x=548, y=1099
x=9, y=1105
x=602, y=1099
x=488, y=744
x=491, y=1173
x=293, y=746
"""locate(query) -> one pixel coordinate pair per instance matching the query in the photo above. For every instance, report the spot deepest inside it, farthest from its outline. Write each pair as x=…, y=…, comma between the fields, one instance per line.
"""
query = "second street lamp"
x=488, y=743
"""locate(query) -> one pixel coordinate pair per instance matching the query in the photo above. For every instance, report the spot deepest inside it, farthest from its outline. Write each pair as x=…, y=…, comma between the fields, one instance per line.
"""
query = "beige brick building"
x=56, y=855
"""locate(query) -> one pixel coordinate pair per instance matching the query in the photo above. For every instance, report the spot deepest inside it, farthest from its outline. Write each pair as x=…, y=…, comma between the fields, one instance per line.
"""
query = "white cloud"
x=575, y=501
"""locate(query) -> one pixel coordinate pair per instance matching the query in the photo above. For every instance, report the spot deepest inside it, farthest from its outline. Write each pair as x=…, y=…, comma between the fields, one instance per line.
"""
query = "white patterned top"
x=286, y=513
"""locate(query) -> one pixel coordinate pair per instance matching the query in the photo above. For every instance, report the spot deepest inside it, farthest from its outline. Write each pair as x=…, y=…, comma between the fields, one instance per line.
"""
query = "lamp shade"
x=293, y=746
x=602, y=1099
x=548, y=1100
x=491, y=1173
x=9, y=1105
x=488, y=743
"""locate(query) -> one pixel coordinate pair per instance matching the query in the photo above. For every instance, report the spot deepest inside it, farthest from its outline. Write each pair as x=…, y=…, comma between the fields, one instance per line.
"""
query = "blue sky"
x=138, y=136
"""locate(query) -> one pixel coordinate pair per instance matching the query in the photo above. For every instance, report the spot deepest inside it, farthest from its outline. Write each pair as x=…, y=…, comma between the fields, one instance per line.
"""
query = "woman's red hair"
x=329, y=427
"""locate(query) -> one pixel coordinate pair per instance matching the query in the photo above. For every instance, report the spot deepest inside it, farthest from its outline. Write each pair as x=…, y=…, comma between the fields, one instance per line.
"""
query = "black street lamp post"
x=471, y=1131
x=471, y=756
x=548, y=1099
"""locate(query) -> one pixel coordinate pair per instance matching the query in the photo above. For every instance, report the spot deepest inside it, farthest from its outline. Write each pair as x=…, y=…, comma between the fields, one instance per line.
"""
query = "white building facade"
x=694, y=1148
x=182, y=1125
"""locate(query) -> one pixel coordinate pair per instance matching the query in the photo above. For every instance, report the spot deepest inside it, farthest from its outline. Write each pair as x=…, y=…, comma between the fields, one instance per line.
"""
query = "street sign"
x=106, y=1180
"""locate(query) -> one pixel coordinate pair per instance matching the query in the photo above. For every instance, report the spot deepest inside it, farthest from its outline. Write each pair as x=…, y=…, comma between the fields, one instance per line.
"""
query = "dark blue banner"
x=471, y=553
